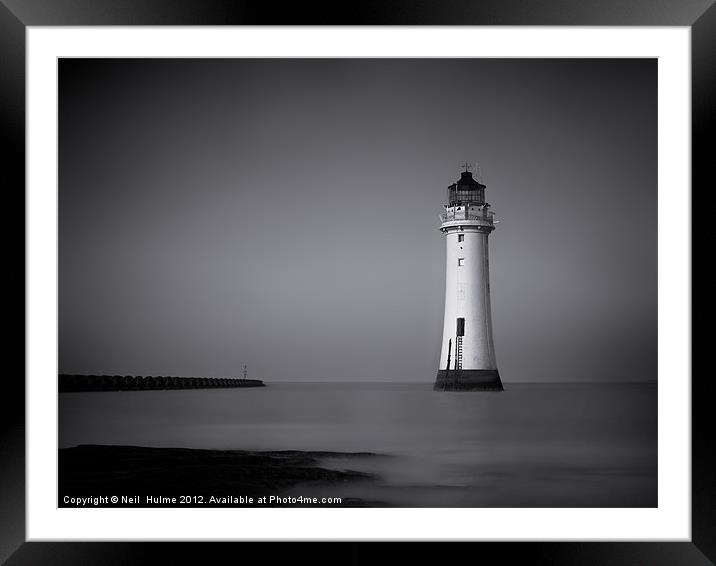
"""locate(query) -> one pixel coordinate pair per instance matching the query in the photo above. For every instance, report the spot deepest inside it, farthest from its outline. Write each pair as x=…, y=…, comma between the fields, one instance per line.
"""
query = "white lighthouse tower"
x=467, y=356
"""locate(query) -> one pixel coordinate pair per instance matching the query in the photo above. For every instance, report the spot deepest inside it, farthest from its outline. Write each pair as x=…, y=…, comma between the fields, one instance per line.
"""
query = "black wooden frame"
x=15, y=15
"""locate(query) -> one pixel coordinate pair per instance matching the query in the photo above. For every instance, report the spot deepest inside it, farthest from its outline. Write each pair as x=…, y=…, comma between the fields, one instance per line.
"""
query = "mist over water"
x=553, y=445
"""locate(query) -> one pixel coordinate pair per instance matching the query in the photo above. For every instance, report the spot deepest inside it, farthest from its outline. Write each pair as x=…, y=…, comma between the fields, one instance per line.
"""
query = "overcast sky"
x=284, y=214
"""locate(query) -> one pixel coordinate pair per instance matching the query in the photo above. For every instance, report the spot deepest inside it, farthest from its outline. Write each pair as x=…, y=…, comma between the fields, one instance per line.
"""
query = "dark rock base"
x=468, y=380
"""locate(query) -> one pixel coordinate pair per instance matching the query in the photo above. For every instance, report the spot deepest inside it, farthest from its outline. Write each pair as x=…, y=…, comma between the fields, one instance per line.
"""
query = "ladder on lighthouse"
x=458, y=352
x=458, y=342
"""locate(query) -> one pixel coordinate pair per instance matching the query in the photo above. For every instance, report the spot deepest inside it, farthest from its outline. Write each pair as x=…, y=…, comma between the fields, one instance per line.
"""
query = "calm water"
x=551, y=445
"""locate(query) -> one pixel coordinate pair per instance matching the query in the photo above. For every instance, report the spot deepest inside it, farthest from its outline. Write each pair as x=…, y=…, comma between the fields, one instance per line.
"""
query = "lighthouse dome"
x=466, y=180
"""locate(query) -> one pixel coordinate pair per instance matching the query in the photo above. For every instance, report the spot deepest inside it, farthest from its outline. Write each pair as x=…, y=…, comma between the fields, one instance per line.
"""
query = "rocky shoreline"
x=180, y=477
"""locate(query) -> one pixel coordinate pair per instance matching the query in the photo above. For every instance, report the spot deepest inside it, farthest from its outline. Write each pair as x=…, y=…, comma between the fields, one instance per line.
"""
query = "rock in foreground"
x=95, y=471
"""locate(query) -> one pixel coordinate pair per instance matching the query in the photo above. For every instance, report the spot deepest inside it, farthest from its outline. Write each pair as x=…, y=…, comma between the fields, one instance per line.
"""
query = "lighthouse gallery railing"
x=483, y=215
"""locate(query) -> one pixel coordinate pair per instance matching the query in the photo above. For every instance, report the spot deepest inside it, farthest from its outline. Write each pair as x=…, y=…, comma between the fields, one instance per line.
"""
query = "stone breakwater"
x=71, y=383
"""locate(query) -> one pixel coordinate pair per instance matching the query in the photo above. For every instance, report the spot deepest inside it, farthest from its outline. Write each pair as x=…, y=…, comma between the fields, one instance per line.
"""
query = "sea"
x=532, y=445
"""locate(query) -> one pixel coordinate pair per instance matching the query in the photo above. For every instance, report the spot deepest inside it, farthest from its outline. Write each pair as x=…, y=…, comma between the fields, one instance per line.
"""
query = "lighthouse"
x=467, y=355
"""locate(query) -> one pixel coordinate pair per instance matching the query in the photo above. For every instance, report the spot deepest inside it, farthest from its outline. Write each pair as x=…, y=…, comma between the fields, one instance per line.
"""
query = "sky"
x=283, y=213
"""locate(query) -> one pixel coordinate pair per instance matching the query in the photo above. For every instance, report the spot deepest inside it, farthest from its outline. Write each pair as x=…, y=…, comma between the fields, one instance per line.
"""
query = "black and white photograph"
x=346, y=282
x=367, y=274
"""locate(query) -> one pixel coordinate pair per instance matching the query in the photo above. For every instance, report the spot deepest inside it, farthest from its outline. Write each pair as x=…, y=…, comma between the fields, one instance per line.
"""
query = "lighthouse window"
x=461, y=237
x=460, y=261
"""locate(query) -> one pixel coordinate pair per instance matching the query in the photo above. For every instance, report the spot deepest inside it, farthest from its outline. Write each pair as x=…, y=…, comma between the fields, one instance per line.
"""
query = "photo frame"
x=15, y=16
